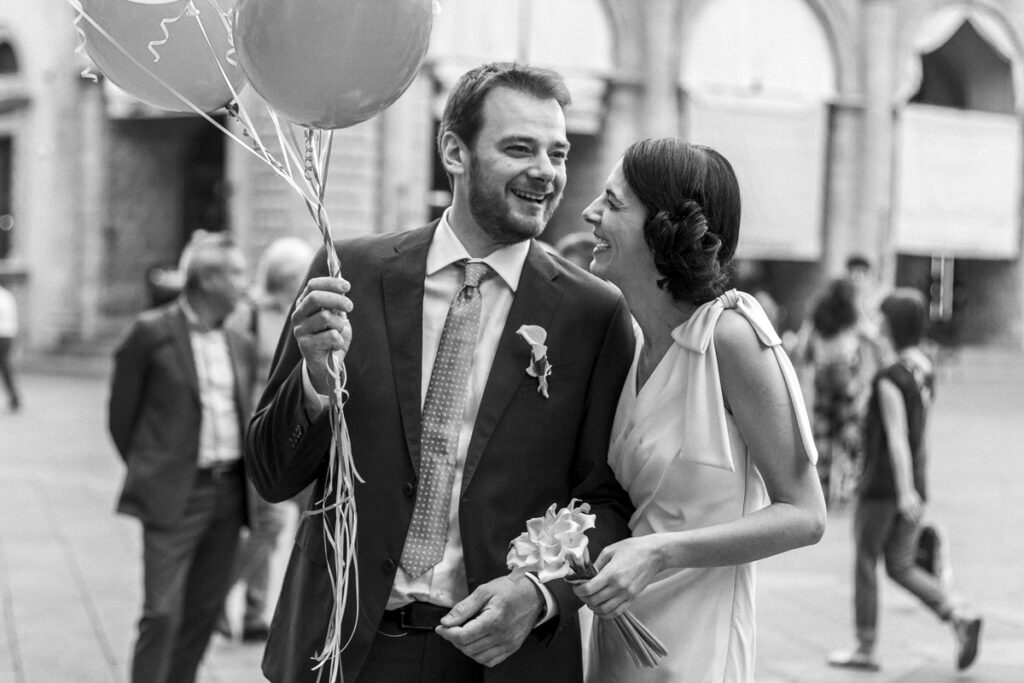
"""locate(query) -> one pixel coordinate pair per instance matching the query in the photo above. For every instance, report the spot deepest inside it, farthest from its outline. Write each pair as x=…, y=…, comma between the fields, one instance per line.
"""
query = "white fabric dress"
x=678, y=453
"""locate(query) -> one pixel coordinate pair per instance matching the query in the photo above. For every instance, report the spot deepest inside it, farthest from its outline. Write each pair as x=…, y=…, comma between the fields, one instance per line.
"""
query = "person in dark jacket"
x=179, y=402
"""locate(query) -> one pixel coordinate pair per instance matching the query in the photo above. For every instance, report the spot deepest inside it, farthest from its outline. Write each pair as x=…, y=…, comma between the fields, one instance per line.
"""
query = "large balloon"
x=331, y=63
x=186, y=62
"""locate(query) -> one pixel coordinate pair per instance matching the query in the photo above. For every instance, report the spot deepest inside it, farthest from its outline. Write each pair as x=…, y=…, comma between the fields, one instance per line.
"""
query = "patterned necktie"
x=442, y=418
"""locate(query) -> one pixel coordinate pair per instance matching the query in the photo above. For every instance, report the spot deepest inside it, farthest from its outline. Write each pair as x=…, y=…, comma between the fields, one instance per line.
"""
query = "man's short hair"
x=463, y=113
x=905, y=312
x=204, y=253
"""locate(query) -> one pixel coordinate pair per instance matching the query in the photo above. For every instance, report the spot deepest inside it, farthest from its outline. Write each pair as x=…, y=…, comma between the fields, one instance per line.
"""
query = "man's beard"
x=492, y=213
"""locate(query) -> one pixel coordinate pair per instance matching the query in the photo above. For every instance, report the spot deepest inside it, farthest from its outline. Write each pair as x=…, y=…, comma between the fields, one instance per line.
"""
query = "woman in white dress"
x=711, y=438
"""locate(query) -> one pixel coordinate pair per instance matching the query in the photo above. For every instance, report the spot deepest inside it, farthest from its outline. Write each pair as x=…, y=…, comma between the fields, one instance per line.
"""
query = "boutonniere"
x=539, y=367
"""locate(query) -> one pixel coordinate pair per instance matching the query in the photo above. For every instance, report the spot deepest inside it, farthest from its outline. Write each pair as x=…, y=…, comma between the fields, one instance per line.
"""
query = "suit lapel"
x=535, y=303
x=403, y=318
x=183, y=345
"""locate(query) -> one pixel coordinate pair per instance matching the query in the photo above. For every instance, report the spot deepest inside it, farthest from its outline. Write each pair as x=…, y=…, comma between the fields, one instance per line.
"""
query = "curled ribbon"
x=87, y=72
x=190, y=11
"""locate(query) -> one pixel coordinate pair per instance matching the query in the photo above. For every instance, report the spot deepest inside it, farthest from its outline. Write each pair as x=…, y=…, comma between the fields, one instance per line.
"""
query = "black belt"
x=221, y=471
x=416, y=616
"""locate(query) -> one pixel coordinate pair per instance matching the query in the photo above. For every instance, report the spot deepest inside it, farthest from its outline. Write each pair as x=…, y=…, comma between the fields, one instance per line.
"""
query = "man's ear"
x=454, y=154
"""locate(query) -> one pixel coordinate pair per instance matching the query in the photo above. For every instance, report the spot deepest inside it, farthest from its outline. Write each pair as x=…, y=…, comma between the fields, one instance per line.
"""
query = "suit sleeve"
x=596, y=483
x=127, y=387
x=285, y=451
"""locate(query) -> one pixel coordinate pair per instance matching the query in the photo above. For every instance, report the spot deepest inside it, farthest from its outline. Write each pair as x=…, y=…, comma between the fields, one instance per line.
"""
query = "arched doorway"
x=958, y=177
x=10, y=73
x=166, y=178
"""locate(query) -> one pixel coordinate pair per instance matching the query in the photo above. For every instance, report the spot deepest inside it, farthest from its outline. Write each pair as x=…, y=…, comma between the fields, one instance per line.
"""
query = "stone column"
x=881, y=64
x=624, y=100
x=661, y=54
x=844, y=212
x=89, y=217
x=406, y=149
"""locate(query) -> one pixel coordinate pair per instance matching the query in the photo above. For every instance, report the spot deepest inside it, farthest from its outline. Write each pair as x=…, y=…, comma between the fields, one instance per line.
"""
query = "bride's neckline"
x=653, y=351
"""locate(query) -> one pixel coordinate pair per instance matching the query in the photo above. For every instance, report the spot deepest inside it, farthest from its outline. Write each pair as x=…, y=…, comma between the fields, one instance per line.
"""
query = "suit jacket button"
x=388, y=566
x=408, y=489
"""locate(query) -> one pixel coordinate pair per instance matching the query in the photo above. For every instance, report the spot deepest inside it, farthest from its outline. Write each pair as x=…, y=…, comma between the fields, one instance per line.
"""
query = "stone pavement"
x=70, y=571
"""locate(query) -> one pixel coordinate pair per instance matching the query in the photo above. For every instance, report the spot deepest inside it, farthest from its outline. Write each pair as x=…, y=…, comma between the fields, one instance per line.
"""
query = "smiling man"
x=456, y=446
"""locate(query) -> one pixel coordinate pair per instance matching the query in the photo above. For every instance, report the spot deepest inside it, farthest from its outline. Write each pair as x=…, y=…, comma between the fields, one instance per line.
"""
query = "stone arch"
x=10, y=53
x=9, y=63
x=804, y=15
x=545, y=33
x=626, y=25
x=935, y=28
x=843, y=41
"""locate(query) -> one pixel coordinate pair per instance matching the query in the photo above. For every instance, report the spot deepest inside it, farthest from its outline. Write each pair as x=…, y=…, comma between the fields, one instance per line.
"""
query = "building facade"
x=887, y=128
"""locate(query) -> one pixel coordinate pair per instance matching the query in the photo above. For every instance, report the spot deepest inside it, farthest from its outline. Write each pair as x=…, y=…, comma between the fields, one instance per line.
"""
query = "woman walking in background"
x=834, y=361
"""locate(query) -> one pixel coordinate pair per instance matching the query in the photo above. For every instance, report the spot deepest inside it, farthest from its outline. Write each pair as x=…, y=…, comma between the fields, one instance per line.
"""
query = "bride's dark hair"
x=692, y=200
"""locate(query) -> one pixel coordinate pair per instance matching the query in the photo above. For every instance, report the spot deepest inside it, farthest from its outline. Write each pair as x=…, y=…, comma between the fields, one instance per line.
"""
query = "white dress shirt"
x=8, y=315
x=220, y=437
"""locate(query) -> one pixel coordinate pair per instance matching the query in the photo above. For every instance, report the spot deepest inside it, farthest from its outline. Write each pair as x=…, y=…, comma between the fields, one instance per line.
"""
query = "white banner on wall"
x=958, y=183
x=778, y=150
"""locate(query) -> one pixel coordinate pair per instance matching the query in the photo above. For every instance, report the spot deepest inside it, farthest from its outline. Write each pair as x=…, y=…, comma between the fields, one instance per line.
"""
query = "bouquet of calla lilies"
x=555, y=547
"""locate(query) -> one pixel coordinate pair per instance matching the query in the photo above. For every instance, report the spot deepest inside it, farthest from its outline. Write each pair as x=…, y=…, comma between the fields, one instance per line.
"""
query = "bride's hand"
x=623, y=571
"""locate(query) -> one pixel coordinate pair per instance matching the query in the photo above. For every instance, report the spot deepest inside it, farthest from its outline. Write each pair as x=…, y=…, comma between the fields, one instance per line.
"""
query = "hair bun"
x=691, y=222
x=686, y=252
x=682, y=229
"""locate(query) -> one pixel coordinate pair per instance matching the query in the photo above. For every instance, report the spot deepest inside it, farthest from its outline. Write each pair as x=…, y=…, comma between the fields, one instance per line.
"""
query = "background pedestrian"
x=179, y=400
x=8, y=336
x=893, y=490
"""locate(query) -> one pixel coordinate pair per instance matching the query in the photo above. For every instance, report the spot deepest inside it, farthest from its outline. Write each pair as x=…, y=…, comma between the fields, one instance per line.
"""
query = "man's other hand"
x=492, y=623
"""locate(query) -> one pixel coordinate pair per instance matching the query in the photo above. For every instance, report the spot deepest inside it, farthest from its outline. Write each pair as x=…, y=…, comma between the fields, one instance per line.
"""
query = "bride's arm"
x=756, y=393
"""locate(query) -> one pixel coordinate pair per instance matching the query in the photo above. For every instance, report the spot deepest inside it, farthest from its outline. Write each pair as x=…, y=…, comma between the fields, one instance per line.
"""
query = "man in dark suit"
x=456, y=443
x=179, y=402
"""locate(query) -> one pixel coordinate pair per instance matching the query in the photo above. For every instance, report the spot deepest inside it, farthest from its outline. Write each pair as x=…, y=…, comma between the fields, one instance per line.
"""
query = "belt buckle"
x=412, y=619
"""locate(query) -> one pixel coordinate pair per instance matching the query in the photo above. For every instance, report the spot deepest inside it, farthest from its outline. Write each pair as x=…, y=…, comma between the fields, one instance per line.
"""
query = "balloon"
x=186, y=62
x=331, y=63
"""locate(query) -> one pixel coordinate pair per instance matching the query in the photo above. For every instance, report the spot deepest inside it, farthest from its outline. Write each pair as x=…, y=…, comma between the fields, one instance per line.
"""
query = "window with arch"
x=8, y=58
x=966, y=72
